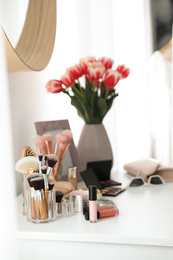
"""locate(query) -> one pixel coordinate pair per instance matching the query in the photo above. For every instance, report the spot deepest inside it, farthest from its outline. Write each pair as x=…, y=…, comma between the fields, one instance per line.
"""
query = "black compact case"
x=101, y=168
x=98, y=173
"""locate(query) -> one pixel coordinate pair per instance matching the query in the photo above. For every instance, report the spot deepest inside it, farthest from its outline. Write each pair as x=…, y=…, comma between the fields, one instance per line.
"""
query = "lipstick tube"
x=93, y=203
x=103, y=213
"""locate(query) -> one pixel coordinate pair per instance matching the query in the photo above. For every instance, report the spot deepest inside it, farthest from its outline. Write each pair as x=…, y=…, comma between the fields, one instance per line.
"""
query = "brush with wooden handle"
x=38, y=184
x=34, y=205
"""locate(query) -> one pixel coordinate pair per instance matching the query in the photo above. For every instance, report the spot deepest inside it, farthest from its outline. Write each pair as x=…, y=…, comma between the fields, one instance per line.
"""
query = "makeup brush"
x=34, y=207
x=46, y=185
x=26, y=163
x=28, y=151
x=51, y=161
x=40, y=158
x=51, y=183
x=59, y=195
x=38, y=184
x=68, y=134
x=58, y=198
x=38, y=140
x=48, y=142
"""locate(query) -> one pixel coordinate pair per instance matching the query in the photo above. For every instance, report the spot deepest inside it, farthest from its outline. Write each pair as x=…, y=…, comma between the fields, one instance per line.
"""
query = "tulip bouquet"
x=95, y=99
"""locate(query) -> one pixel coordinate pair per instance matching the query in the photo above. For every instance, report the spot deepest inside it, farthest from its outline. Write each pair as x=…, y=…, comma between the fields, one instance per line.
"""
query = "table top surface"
x=145, y=218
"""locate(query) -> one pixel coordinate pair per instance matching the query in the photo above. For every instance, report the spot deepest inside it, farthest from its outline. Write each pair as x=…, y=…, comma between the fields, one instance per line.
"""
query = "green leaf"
x=78, y=106
x=101, y=108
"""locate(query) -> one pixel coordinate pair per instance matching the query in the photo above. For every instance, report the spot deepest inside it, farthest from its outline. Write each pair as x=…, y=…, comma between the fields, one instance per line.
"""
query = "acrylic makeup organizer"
x=40, y=206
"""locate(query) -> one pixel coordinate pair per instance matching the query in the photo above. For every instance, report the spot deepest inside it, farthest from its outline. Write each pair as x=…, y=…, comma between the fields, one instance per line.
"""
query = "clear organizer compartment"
x=40, y=206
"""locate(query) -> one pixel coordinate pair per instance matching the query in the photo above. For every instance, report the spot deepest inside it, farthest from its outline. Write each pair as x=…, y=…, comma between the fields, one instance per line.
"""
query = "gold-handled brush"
x=28, y=151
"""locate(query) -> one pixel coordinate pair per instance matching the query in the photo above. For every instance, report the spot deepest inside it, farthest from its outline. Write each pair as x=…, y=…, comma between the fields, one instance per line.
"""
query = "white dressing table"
x=143, y=230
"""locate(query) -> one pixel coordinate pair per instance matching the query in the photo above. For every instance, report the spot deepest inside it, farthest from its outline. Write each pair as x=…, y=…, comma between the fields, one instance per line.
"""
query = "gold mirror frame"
x=36, y=43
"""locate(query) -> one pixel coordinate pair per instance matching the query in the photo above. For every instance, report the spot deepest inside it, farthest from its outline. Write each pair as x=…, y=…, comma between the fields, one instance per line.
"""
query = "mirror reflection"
x=13, y=19
x=67, y=161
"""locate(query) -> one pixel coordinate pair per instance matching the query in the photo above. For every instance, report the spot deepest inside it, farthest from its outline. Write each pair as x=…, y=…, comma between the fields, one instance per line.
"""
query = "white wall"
x=117, y=36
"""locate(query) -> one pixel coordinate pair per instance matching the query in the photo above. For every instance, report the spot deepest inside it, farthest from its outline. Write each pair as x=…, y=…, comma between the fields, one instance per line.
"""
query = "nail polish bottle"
x=93, y=203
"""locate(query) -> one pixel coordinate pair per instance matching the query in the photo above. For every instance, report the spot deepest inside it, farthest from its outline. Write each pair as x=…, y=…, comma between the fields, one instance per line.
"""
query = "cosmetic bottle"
x=72, y=178
x=93, y=203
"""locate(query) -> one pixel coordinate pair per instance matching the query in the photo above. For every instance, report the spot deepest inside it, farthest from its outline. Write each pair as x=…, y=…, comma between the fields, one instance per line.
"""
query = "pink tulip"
x=76, y=71
x=54, y=86
x=67, y=79
x=95, y=70
x=123, y=70
x=111, y=78
x=85, y=62
x=107, y=62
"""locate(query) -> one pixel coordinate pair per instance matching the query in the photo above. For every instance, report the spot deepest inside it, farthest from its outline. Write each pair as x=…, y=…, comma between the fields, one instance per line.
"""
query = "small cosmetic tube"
x=72, y=176
x=93, y=203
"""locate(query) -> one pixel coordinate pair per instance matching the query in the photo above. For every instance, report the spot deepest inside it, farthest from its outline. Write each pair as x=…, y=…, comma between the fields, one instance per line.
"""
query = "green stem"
x=106, y=93
x=74, y=89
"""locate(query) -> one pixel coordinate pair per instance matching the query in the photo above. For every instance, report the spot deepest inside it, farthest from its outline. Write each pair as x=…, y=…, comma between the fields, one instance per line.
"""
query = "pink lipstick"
x=93, y=203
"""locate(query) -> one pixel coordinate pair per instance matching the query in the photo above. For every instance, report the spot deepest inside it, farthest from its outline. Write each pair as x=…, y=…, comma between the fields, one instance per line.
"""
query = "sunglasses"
x=153, y=180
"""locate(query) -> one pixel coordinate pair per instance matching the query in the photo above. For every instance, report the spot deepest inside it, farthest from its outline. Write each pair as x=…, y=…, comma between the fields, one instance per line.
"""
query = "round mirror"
x=31, y=50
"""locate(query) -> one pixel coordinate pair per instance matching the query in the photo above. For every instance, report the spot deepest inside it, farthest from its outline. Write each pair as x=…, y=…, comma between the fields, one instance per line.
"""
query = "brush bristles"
x=44, y=169
x=32, y=176
x=38, y=140
x=63, y=139
x=47, y=137
x=67, y=133
x=59, y=195
x=52, y=160
x=37, y=183
x=40, y=157
x=51, y=183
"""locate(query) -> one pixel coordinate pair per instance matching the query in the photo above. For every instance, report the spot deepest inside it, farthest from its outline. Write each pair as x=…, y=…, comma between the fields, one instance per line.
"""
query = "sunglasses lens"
x=156, y=180
x=136, y=183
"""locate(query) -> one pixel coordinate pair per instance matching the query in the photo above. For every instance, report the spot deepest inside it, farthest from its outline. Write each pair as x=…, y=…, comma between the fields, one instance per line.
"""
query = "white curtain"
x=111, y=28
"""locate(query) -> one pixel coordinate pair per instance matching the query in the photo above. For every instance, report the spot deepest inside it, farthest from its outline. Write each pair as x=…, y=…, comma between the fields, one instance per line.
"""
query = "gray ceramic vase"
x=93, y=145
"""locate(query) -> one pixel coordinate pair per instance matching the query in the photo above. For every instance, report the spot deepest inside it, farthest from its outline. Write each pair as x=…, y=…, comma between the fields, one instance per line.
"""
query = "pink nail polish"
x=93, y=203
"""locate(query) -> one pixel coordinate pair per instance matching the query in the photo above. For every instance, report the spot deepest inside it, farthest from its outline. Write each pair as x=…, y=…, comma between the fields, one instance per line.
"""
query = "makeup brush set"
x=41, y=191
x=46, y=199
x=44, y=146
